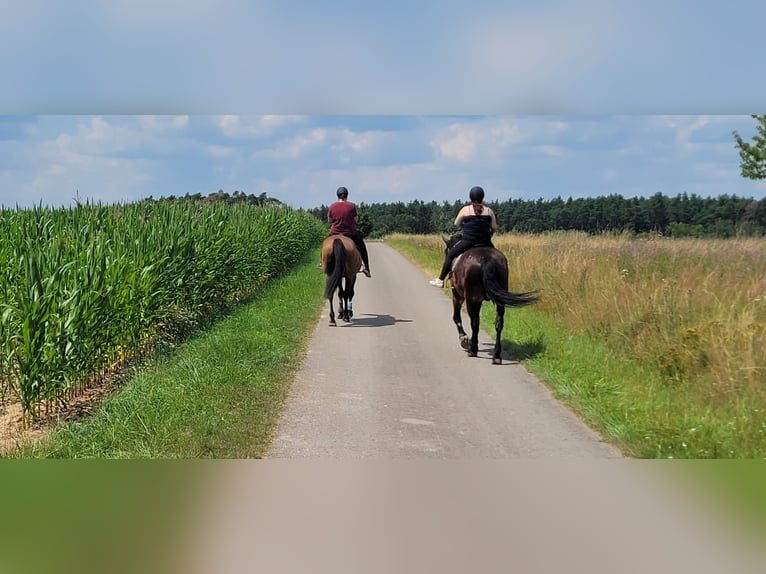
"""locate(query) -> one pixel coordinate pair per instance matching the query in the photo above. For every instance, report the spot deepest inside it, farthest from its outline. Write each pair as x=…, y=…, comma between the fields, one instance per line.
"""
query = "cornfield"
x=82, y=289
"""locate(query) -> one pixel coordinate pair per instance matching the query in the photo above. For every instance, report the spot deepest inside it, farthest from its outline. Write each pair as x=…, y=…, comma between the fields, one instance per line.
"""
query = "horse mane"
x=478, y=208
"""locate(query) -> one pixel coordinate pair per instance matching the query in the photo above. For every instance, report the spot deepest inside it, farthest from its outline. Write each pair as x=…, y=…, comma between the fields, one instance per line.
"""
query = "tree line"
x=221, y=196
x=685, y=215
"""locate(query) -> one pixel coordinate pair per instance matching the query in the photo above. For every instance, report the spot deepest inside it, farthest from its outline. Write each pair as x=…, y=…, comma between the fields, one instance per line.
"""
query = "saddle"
x=456, y=259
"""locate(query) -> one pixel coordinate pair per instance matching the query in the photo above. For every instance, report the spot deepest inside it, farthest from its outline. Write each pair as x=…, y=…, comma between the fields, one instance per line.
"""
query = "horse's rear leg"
x=342, y=304
x=474, y=312
x=349, y=298
x=499, y=320
x=457, y=303
x=332, y=313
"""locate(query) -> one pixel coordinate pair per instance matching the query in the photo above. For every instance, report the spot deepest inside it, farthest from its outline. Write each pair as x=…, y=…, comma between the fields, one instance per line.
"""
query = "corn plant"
x=83, y=289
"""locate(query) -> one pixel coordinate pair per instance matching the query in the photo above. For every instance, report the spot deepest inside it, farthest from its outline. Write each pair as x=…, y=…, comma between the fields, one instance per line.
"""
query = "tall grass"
x=689, y=313
x=695, y=309
x=83, y=289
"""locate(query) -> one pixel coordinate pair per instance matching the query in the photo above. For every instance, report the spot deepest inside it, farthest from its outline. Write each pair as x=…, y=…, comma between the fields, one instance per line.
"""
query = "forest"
x=685, y=215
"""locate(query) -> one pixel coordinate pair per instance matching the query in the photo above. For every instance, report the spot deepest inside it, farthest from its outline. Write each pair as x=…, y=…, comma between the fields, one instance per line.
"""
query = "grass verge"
x=217, y=395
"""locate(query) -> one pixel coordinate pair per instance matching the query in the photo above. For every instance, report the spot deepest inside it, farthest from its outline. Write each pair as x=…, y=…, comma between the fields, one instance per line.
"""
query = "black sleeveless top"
x=477, y=228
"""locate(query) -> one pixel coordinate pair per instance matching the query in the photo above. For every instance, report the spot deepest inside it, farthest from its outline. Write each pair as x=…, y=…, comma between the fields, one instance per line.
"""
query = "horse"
x=341, y=262
x=481, y=274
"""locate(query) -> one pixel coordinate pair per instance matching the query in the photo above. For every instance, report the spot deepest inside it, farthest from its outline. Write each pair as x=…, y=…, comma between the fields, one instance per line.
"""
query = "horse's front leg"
x=457, y=303
x=474, y=312
x=499, y=320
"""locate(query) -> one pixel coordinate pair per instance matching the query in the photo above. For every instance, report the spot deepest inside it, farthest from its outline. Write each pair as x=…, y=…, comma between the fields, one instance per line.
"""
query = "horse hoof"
x=497, y=361
x=465, y=343
x=333, y=324
x=472, y=353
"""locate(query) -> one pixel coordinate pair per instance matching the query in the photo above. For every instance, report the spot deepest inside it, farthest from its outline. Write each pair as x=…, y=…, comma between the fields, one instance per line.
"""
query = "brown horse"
x=481, y=274
x=341, y=262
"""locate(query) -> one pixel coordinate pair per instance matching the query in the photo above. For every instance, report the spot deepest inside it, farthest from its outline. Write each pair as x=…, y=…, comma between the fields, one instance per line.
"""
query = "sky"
x=397, y=101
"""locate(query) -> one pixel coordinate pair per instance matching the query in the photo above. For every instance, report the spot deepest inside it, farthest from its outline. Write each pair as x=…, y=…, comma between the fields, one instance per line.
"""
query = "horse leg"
x=332, y=313
x=349, y=297
x=474, y=312
x=499, y=320
x=457, y=303
x=341, y=304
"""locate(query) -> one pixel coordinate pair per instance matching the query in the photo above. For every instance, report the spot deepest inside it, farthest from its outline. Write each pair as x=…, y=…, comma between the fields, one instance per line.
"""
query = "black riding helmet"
x=476, y=194
x=342, y=191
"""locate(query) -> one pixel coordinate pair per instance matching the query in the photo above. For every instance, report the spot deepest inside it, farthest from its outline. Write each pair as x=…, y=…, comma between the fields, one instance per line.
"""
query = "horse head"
x=450, y=240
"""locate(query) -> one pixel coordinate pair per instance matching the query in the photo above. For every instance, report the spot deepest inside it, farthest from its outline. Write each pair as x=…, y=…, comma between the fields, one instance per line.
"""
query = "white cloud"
x=295, y=147
x=332, y=144
x=684, y=128
x=460, y=143
x=230, y=125
x=481, y=142
x=87, y=159
x=361, y=141
x=370, y=184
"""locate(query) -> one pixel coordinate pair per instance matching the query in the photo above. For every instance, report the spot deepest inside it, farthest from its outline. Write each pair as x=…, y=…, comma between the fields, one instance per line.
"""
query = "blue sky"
x=399, y=100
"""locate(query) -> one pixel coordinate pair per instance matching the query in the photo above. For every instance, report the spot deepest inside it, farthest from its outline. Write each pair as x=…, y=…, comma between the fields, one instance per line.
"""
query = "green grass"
x=217, y=395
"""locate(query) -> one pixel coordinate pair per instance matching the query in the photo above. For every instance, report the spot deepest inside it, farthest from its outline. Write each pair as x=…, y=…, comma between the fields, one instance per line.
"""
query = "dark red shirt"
x=341, y=215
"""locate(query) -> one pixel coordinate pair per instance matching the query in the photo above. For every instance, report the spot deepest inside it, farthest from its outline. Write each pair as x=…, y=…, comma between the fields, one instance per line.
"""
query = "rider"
x=477, y=222
x=343, y=217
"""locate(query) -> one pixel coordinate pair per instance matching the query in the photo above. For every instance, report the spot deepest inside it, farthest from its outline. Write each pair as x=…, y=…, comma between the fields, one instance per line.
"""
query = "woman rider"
x=477, y=223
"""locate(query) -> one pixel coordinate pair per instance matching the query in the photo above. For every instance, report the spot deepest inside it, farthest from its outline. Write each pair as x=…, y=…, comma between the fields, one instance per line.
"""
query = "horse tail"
x=339, y=266
x=497, y=293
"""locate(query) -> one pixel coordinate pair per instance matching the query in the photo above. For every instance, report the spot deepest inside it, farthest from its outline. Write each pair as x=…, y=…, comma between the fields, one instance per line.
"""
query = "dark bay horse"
x=341, y=262
x=481, y=274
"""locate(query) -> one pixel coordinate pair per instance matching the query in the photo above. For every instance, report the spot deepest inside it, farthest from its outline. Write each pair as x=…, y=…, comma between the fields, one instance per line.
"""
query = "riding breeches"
x=460, y=247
